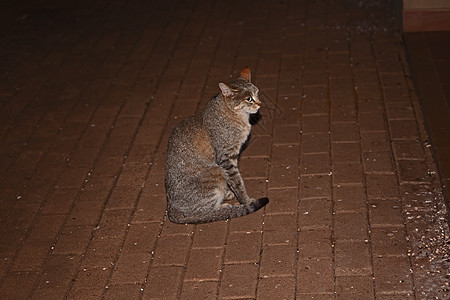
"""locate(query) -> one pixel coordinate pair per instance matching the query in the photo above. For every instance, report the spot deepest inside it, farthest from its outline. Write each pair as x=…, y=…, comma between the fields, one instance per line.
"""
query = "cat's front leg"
x=234, y=180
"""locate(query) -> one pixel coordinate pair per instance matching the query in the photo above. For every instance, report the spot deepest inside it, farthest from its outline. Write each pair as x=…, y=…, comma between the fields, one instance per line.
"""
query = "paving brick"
x=123, y=197
x=133, y=174
x=284, y=155
x=46, y=228
x=346, y=152
x=408, y=149
x=147, y=135
x=413, y=171
x=72, y=177
x=416, y=197
x=380, y=161
x=399, y=110
x=89, y=283
x=243, y=247
x=315, y=124
x=101, y=253
x=381, y=186
x=256, y=188
x=375, y=141
x=204, y=264
x=312, y=106
x=116, y=146
x=318, y=186
x=385, y=212
x=85, y=213
x=150, y=208
x=60, y=201
x=18, y=285
x=315, y=213
x=254, y=167
x=425, y=280
x=36, y=190
x=315, y=78
x=315, y=276
x=22, y=215
x=287, y=117
x=108, y=166
x=315, y=143
x=280, y=229
x=131, y=268
x=372, y=121
x=249, y=223
x=283, y=176
x=304, y=296
x=314, y=243
x=57, y=275
x=352, y=258
x=286, y=134
x=282, y=200
x=346, y=173
x=315, y=163
x=45, y=293
x=210, y=235
x=73, y=240
x=199, y=290
x=31, y=256
x=344, y=132
x=350, y=226
x=276, y=288
x=349, y=198
x=341, y=90
x=130, y=291
x=84, y=156
x=172, y=250
x=141, y=237
x=278, y=260
x=388, y=279
x=396, y=296
x=354, y=287
x=388, y=241
x=237, y=281
x=113, y=223
x=98, y=184
x=403, y=129
x=163, y=283
x=289, y=96
x=343, y=113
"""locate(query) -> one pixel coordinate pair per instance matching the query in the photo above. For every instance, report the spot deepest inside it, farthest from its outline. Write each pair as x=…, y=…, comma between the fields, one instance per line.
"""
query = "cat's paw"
x=249, y=200
x=229, y=195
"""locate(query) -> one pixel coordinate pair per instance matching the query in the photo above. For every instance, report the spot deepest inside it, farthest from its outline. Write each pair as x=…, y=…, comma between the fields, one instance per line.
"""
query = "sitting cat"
x=202, y=157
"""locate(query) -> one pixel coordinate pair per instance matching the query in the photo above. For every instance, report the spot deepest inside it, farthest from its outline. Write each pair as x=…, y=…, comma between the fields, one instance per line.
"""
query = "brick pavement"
x=90, y=92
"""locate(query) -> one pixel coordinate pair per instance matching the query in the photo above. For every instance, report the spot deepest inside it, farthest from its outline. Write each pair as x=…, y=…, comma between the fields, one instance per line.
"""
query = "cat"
x=202, y=157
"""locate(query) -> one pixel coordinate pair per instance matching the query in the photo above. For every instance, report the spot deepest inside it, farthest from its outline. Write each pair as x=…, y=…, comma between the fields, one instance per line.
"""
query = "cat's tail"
x=222, y=213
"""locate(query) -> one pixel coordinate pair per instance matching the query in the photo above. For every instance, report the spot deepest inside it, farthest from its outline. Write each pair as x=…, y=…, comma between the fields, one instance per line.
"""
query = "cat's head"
x=241, y=95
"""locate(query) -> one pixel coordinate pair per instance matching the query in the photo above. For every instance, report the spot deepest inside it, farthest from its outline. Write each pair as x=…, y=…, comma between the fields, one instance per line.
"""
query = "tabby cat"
x=202, y=157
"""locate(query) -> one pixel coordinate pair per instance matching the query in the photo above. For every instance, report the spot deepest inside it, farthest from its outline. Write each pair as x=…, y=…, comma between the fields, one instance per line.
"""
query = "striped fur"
x=202, y=157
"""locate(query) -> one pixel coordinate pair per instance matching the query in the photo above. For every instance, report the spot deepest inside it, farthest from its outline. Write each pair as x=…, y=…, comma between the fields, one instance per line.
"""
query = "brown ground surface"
x=89, y=92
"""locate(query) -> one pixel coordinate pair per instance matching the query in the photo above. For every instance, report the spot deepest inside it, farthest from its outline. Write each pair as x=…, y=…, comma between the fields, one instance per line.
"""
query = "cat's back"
x=190, y=141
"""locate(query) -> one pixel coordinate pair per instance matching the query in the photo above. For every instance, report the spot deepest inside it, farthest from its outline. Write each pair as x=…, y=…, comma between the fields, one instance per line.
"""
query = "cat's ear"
x=246, y=74
x=226, y=89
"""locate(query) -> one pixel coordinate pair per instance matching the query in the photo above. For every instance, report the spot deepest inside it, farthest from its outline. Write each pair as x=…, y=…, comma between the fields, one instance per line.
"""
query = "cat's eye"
x=249, y=99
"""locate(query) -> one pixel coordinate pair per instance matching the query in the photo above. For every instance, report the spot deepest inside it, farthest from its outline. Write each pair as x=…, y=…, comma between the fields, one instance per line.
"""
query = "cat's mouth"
x=254, y=110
